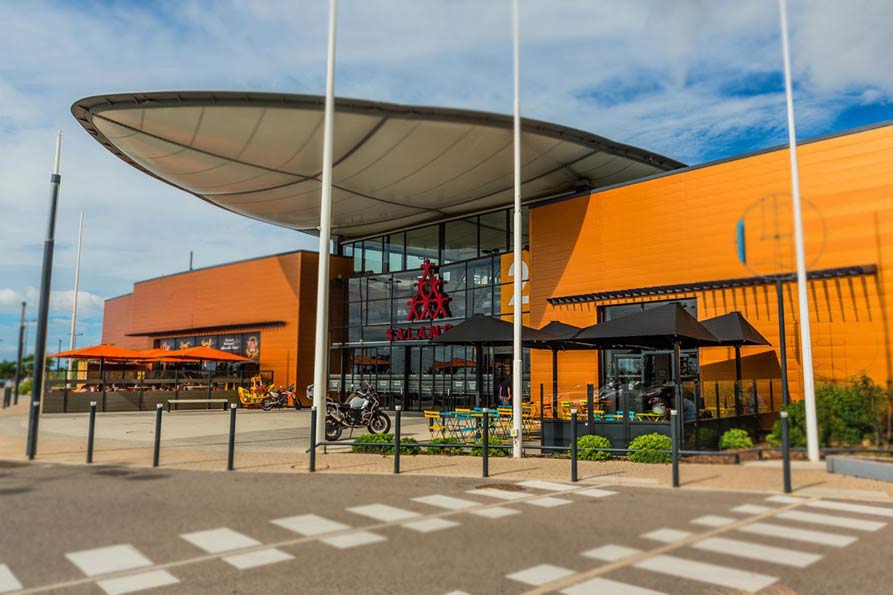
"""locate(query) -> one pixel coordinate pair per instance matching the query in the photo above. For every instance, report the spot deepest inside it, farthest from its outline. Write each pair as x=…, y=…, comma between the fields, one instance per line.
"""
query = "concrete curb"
x=860, y=467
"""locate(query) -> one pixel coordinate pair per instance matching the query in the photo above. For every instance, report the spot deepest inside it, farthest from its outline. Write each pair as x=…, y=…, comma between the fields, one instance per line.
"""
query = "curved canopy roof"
x=260, y=155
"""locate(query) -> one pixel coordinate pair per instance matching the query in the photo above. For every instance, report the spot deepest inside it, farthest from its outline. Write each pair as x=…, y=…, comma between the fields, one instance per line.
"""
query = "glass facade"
x=379, y=344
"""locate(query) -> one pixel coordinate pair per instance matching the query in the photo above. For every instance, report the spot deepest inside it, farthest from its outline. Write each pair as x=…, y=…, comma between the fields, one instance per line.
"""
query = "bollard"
x=31, y=445
x=157, y=435
x=574, y=445
x=485, y=455
x=397, y=439
x=230, y=455
x=313, y=439
x=785, y=453
x=90, y=432
x=674, y=437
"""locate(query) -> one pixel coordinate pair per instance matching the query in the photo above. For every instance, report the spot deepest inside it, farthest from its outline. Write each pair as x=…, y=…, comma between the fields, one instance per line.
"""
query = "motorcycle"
x=279, y=398
x=362, y=410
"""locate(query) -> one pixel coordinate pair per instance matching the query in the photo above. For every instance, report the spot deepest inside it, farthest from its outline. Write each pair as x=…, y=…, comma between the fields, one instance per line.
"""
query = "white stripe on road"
x=847, y=507
x=756, y=551
x=258, y=558
x=611, y=553
x=384, y=513
x=712, y=520
x=500, y=494
x=830, y=520
x=603, y=586
x=785, y=499
x=428, y=525
x=548, y=502
x=137, y=582
x=549, y=486
x=113, y=558
x=447, y=502
x=596, y=493
x=752, y=509
x=540, y=575
x=707, y=573
x=785, y=532
x=495, y=512
x=309, y=524
x=219, y=540
x=349, y=540
x=8, y=581
x=667, y=535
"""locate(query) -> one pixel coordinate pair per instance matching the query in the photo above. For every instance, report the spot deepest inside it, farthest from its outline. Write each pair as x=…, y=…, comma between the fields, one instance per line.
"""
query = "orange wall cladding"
x=236, y=296
x=681, y=228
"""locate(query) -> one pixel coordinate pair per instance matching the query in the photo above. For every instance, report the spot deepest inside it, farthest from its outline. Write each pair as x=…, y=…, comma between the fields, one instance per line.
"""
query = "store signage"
x=430, y=302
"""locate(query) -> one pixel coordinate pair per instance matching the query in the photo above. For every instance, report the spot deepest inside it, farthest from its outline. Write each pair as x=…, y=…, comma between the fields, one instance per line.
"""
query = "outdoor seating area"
x=466, y=425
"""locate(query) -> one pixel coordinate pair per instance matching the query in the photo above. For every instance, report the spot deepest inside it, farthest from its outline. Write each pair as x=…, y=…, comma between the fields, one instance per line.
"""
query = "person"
x=504, y=392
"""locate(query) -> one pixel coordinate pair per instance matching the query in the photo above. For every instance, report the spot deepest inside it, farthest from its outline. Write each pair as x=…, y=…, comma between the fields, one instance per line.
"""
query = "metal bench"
x=224, y=401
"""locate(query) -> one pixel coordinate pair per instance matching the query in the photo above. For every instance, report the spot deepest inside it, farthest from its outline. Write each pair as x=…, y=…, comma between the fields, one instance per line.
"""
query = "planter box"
x=860, y=467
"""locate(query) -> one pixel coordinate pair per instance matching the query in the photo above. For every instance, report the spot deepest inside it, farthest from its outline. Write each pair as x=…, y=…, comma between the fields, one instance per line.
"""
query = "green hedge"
x=371, y=443
x=448, y=450
x=648, y=449
x=478, y=451
x=587, y=445
x=735, y=439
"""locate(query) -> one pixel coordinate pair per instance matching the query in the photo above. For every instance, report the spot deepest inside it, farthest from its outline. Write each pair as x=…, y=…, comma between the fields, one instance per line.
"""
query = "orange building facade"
x=675, y=237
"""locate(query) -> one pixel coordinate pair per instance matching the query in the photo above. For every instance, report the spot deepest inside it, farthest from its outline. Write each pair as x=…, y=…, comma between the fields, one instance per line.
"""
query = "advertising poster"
x=252, y=346
x=230, y=343
x=208, y=341
x=166, y=344
x=185, y=342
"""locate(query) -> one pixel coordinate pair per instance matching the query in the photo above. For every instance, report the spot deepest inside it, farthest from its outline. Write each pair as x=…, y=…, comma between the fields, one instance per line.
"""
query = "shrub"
x=478, y=451
x=372, y=443
x=25, y=387
x=648, y=449
x=447, y=450
x=587, y=445
x=735, y=439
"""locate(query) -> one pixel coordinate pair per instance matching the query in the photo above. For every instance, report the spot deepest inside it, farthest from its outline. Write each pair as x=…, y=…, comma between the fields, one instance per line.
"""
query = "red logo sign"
x=429, y=303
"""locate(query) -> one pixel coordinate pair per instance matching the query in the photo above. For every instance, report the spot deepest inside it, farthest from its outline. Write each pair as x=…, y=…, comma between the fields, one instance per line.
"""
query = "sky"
x=696, y=80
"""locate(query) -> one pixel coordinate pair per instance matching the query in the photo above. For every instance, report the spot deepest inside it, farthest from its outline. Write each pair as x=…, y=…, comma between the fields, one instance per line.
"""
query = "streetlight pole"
x=812, y=431
x=321, y=345
x=19, y=357
x=43, y=309
x=74, y=307
x=518, y=267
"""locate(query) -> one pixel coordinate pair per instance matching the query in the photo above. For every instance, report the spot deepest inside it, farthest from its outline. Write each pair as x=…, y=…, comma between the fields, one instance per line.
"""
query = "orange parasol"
x=111, y=353
x=203, y=354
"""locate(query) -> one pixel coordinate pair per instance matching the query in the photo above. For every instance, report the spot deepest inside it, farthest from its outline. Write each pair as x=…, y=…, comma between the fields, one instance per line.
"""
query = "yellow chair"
x=436, y=425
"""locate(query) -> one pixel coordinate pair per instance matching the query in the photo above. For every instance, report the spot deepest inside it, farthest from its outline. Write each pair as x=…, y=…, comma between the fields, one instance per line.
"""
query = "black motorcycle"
x=361, y=410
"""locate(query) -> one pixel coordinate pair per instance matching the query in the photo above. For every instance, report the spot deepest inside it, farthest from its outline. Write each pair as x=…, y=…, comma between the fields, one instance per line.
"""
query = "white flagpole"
x=517, y=265
x=321, y=345
x=74, y=307
x=812, y=431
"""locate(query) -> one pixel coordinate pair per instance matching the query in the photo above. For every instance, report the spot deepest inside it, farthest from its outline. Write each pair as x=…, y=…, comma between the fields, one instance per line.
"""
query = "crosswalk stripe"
x=549, y=486
x=830, y=520
x=610, y=553
x=495, y=512
x=779, y=499
x=712, y=520
x=499, y=494
x=354, y=539
x=604, y=586
x=707, y=573
x=752, y=509
x=596, y=493
x=548, y=502
x=667, y=535
x=309, y=524
x=8, y=581
x=785, y=532
x=383, y=512
x=428, y=525
x=258, y=558
x=113, y=558
x=137, y=582
x=540, y=575
x=848, y=507
x=447, y=502
x=219, y=540
x=756, y=551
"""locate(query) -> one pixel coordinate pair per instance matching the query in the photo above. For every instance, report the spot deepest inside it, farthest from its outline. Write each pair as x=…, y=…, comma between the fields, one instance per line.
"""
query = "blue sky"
x=696, y=80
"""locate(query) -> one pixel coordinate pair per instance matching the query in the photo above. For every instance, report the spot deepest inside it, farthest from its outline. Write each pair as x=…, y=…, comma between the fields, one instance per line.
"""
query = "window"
x=460, y=240
x=494, y=236
x=394, y=249
x=422, y=243
x=373, y=255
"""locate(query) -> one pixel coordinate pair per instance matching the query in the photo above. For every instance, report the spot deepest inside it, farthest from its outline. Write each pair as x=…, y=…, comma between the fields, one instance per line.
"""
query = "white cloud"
x=61, y=301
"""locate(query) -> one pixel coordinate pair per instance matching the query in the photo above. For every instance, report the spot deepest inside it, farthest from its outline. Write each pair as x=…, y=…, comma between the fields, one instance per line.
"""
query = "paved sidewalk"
x=277, y=442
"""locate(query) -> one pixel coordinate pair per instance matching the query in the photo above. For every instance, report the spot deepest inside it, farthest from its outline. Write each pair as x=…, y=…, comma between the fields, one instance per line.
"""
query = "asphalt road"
x=213, y=532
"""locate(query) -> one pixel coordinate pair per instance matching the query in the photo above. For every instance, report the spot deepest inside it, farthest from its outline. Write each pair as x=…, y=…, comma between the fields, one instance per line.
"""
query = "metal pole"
x=312, y=438
x=90, y=431
x=230, y=455
x=397, y=440
x=485, y=455
x=517, y=263
x=157, y=435
x=18, y=379
x=738, y=388
x=321, y=344
x=677, y=375
x=43, y=309
x=782, y=344
x=590, y=407
x=674, y=437
x=573, y=445
x=785, y=452
x=554, y=383
x=812, y=429
x=74, y=307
